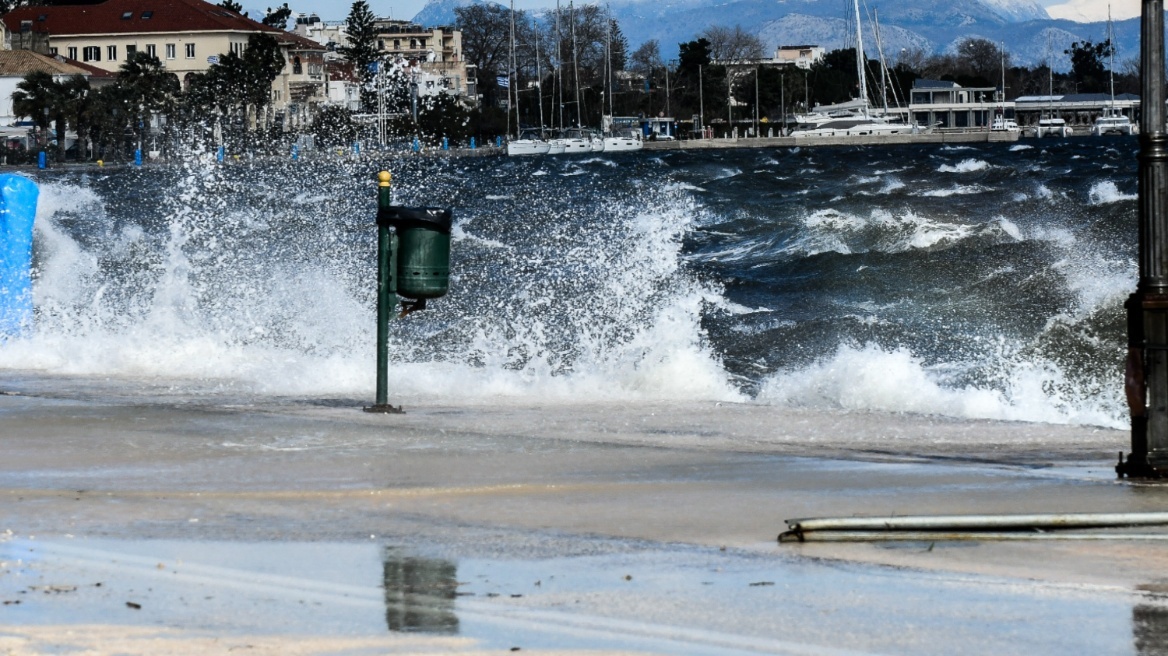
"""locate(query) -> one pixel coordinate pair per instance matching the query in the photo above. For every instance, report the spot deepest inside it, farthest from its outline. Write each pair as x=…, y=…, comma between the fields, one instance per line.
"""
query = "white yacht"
x=850, y=119
x=556, y=146
x=624, y=139
x=575, y=140
x=1052, y=126
x=1112, y=121
x=528, y=143
x=1003, y=124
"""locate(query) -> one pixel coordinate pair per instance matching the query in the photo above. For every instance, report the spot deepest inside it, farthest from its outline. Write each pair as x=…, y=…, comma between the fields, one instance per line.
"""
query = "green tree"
x=1088, y=69
x=232, y=5
x=277, y=17
x=40, y=97
x=486, y=30
x=362, y=49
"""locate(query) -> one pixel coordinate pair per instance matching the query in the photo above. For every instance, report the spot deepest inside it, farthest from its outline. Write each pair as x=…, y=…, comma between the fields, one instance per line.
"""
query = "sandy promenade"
x=166, y=524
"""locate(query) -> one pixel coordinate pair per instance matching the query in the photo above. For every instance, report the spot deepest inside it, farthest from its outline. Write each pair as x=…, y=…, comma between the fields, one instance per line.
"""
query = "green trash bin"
x=423, y=252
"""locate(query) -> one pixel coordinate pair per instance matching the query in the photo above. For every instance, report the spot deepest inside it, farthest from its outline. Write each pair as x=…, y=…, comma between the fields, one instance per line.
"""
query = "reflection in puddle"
x=419, y=593
x=1150, y=629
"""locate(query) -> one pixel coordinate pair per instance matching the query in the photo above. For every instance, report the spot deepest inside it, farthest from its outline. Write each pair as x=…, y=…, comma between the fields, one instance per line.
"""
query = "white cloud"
x=1091, y=11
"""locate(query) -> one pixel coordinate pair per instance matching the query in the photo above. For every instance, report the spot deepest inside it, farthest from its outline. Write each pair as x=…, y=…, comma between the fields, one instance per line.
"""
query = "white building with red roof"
x=187, y=36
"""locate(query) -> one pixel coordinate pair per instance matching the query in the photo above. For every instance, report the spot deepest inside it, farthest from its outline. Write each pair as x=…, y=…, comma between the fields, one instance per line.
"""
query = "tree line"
x=568, y=67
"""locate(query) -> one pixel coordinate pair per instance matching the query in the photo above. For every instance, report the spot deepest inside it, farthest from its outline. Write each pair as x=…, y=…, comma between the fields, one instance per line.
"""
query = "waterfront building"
x=945, y=105
x=187, y=36
x=1079, y=110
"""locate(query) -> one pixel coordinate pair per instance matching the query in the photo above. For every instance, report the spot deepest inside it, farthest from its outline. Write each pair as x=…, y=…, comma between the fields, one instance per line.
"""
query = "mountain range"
x=935, y=26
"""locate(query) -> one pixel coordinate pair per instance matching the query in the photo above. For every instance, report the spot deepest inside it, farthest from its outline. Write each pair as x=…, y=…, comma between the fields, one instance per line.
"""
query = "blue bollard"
x=138, y=157
x=498, y=142
x=295, y=153
x=18, y=201
x=445, y=143
x=220, y=154
x=472, y=143
x=42, y=160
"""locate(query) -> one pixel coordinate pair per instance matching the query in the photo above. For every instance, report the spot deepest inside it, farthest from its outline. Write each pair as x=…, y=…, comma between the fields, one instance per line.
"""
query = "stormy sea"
x=973, y=281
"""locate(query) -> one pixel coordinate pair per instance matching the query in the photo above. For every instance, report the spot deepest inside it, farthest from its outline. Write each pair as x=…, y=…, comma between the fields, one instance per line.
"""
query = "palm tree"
x=78, y=110
x=38, y=96
x=149, y=86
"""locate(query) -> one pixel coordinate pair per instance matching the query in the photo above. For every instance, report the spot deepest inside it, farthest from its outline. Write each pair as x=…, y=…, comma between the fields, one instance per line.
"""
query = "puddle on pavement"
x=657, y=598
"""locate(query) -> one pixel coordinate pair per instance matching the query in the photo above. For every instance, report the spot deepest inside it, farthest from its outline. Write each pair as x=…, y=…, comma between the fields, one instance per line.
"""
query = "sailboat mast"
x=575, y=64
x=512, y=86
x=880, y=54
x=539, y=84
x=559, y=77
x=860, y=57
x=608, y=60
x=1111, y=46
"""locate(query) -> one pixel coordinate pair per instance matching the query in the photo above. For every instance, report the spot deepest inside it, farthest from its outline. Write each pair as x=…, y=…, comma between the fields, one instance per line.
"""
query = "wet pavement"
x=159, y=524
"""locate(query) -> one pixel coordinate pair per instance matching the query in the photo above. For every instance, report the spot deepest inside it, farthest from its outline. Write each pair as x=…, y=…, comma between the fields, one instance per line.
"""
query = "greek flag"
x=373, y=67
x=213, y=59
x=503, y=81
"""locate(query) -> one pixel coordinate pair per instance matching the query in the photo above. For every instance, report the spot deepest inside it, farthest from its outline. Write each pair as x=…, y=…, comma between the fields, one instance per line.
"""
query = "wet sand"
x=308, y=526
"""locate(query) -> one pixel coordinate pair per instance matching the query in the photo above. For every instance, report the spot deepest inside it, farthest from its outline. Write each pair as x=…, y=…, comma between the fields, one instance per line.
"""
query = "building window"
x=190, y=51
x=72, y=52
x=91, y=53
x=237, y=48
x=297, y=68
x=127, y=15
x=111, y=53
x=53, y=51
x=397, y=44
x=171, y=51
x=152, y=50
x=147, y=15
x=131, y=51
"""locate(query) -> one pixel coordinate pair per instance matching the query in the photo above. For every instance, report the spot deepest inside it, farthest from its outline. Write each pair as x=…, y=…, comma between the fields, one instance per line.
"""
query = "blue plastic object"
x=445, y=143
x=356, y=148
x=472, y=143
x=138, y=157
x=417, y=145
x=42, y=160
x=498, y=142
x=295, y=152
x=220, y=154
x=18, y=202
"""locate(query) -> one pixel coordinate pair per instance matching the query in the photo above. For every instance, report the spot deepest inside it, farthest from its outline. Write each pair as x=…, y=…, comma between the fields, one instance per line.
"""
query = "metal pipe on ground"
x=898, y=528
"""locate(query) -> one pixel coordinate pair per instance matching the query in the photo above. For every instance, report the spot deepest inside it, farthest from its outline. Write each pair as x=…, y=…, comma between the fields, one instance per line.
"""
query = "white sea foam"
x=1105, y=192
x=964, y=166
x=955, y=190
x=1020, y=147
x=198, y=314
x=886, y=232
x=871, y=378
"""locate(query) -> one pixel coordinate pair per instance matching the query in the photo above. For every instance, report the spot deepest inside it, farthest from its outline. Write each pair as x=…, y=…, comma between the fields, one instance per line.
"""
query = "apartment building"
x=187, y=36
x=435, y=53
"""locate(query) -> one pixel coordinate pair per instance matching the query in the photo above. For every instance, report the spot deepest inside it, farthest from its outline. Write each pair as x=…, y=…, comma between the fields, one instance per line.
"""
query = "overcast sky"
x=1080, y=10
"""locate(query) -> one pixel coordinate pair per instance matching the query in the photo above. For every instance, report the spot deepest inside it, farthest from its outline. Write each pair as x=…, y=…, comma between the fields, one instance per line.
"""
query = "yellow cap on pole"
x=383, y=179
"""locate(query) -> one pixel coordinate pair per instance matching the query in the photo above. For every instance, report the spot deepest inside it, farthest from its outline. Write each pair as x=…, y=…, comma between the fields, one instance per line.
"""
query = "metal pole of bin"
x=1146, y=380
x=386, y=290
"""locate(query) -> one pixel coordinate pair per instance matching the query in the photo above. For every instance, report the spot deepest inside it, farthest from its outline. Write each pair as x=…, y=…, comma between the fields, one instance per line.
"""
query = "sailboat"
x=1051, y=125
x=527, y=142
x=1001, y=123
x=616, y=139
x=1112, y=121
x=850, y=119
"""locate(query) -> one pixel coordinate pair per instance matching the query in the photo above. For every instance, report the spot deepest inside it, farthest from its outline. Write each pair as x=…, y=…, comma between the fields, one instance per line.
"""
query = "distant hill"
x=935, y=26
